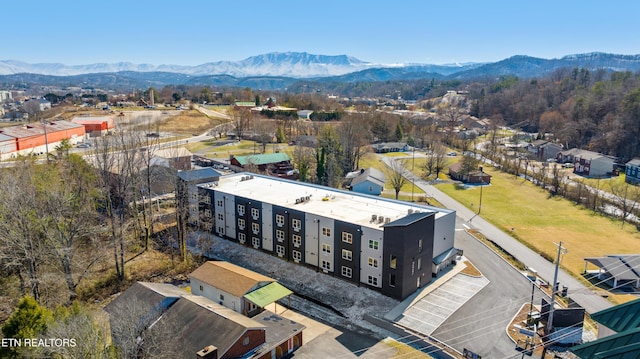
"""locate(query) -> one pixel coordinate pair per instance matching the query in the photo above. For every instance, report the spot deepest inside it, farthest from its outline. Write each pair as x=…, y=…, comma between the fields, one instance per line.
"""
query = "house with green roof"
x=618, y=334
x=273, y=164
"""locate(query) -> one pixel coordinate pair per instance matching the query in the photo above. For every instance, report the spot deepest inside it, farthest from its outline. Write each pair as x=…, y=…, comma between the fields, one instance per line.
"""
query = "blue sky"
x=191, y=32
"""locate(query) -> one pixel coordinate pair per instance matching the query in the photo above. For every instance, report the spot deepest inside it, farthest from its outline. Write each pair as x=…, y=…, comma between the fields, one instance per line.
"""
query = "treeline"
x=598, y=111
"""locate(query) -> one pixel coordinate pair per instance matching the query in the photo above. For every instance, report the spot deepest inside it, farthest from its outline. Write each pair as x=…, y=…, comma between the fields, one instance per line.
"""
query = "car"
x=84, y=145
x=568, y=165
x=452, y=154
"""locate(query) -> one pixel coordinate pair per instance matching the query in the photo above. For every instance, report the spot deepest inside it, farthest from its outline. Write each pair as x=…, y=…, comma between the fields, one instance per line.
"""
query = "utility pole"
x=561, y=251
x=481, y=185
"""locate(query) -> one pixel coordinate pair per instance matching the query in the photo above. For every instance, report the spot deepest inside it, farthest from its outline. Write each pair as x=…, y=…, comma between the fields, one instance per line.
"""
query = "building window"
x=245, y=341
x=297, y=240
x=255, y=241
x=347, y=237
x=297, y=255
x=373, y=262
x=326, y=231
x=255, y=213
x=219, y=203
x=255, y=228
x=279, y=220
x=326, y=248
x=420, y=263
x=393, y=262
x=326, y=265
x=221, y=296
x=347, y=255
x=241, y=224
x=392, y=280
x=413, y=267
x=201, y=289
x=221, y=230
x=280, y=250
x=241, y=210
x=296, y=224
x=280, y=235
x=373, y=244
x=242, y=238
x=207, y=213
x=220, y=217
x=372, y=280
x=347, y=272
x=419, y=245
x=207, y=200
x=194, y=196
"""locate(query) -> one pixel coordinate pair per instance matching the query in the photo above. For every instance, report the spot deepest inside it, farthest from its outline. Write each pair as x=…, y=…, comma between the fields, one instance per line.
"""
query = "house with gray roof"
x=632, y=171
x=368, y=181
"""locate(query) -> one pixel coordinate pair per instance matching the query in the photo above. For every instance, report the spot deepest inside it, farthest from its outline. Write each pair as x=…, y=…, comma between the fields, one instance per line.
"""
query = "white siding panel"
x=366, y=253
x=267, y=227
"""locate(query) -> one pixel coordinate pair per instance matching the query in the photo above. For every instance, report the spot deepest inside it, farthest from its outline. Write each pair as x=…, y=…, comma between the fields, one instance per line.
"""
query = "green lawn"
x=539, y=220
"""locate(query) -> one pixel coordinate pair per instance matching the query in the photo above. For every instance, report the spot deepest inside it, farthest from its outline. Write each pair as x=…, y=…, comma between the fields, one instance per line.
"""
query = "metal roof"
x=621, y=317
x=268, y=294
x=263, y=159
x=370, y=174
x=410, y=219
x=199, y=174
x=614, y=266
x=625, y=345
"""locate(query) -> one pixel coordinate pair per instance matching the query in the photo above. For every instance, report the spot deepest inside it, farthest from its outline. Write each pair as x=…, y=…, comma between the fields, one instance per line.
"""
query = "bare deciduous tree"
x=395, y=175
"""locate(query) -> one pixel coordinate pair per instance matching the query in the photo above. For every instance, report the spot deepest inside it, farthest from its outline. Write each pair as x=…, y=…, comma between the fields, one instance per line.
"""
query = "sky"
x=193, y=32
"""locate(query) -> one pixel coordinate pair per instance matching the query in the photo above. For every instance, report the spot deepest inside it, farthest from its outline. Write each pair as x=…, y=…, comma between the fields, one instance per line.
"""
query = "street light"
x=481, y=185
x=413, y=162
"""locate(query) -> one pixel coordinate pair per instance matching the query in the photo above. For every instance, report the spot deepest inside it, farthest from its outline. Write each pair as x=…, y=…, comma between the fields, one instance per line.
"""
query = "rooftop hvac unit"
x=297, y=200
x=307, y=198
x=301, y=199
x=380, y=219
x=241, y=178
x=387, y=220
x=410, y=211
x=374, y=217
x=250, y=177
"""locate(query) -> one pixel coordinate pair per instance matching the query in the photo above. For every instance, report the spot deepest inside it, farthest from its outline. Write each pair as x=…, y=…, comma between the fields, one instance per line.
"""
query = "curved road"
x=589, y=300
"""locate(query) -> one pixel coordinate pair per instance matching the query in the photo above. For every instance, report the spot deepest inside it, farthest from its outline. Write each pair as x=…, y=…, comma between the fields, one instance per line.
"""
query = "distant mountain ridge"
x=275, y=71
x=293, y=64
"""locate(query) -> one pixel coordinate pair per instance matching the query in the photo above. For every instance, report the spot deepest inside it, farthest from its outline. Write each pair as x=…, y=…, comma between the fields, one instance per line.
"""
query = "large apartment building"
x=391, y=246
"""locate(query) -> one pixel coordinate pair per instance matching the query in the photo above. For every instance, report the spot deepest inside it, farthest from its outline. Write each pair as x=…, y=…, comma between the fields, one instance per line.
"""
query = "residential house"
x=544, y=150
x=386, y=147
x=273, y=164
x=593, y=164
x=632, y=171
x=341, y=233
x=457, y=173
x=236, y=288
x=164, y=320
x=618, y=333
x=368, y=181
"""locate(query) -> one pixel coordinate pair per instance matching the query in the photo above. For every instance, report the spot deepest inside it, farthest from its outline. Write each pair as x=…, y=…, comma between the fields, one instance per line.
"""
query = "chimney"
x=208, y=352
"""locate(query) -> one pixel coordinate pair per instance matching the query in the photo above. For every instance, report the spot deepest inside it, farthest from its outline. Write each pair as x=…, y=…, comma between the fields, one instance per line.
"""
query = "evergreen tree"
x=26, y=322
x=399, y=132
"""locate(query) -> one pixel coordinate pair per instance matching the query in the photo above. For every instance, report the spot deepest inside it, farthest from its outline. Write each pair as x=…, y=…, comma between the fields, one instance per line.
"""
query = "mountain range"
x=280, y=70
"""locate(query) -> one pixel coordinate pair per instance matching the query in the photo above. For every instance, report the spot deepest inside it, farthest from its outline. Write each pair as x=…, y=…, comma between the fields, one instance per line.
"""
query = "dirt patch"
x=470, y=270
x=187, y=123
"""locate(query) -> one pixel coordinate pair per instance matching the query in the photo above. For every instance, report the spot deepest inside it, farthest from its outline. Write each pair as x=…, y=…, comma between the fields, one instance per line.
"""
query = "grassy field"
x=539, y=220
x=187, y=122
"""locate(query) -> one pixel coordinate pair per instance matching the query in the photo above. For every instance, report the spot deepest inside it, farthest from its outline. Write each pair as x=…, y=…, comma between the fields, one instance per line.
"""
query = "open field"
x=187, y=122
x=538, y=220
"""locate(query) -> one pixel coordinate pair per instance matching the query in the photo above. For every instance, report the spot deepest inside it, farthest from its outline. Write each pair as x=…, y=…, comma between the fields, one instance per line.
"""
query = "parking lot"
x=426, y=315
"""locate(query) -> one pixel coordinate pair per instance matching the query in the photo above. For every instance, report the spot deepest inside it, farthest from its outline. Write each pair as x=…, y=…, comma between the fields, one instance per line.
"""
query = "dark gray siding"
x=353, y=231
x=402, y=243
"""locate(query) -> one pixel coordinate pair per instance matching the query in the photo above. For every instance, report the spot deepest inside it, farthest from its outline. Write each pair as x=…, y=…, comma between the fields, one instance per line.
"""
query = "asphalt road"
x=480, y=325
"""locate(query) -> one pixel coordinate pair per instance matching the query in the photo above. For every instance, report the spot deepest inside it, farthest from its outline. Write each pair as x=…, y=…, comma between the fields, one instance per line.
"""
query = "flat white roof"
x=323, y=201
